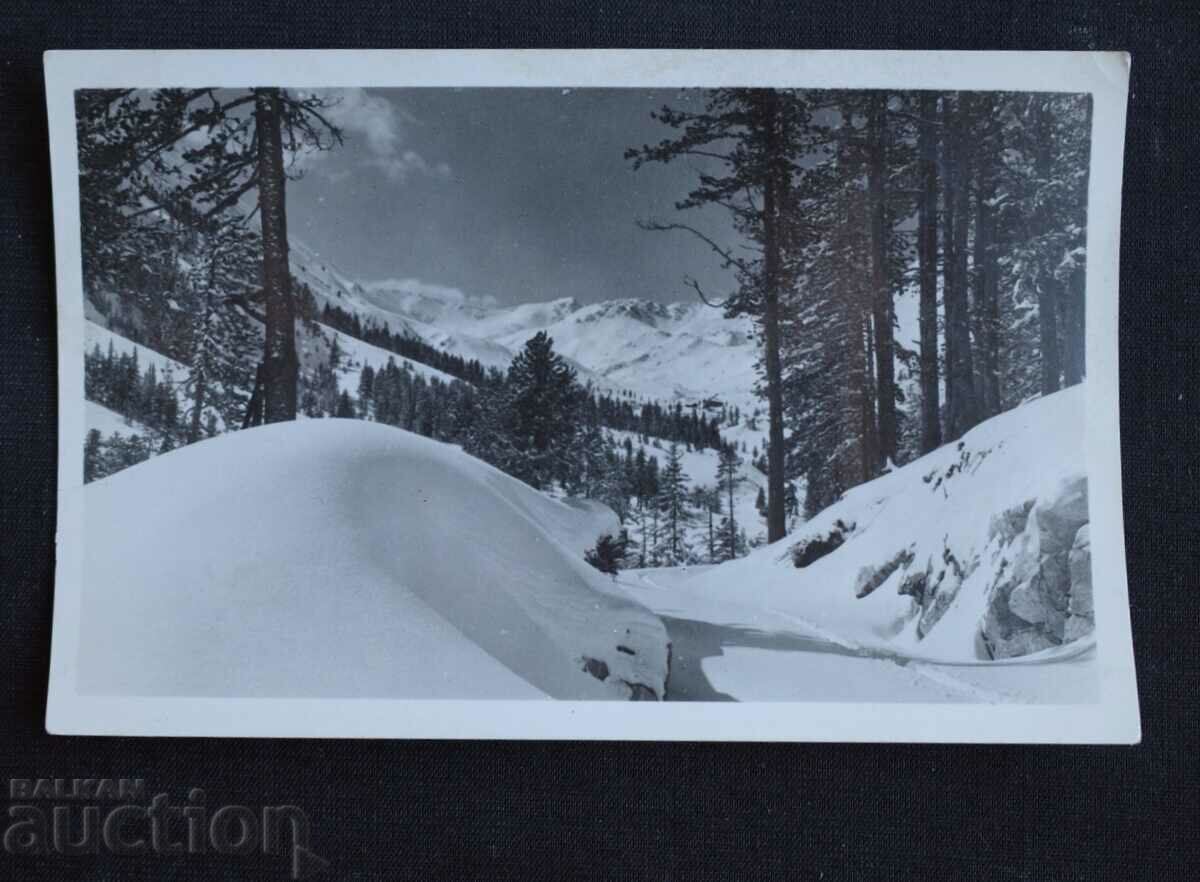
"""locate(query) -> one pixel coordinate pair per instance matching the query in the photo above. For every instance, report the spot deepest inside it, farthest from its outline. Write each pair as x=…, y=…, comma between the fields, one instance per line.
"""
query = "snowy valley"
x=906, y=589
x=850, y=468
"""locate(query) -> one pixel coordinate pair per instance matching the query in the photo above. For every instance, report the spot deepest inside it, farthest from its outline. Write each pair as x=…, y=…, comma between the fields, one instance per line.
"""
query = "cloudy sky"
x=514, y=194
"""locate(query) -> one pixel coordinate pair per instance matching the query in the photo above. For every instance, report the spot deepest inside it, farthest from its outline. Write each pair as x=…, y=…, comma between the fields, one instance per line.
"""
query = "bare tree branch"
x=725, y=255
x=695, y=286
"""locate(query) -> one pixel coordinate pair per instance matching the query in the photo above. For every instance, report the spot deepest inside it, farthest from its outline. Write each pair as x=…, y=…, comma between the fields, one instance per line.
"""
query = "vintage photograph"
x=733, y=393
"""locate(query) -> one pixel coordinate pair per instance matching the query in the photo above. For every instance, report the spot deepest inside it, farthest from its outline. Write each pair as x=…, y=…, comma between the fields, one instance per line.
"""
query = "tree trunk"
x=1074, y=331
x=732, y=522
x=870, y=429
x=987, y=296
x=1075, y=311
x=198, y=393
x=201, y=363
x=960, y=374
x=856, y=458
x=985, y=279
x=772, y=284
x=987, y=307
x=881, y=294
x=280, y=366
x=712, y=550
x=927, y=256
x=1048, y=287
x=1048, y=297
x=254, y=407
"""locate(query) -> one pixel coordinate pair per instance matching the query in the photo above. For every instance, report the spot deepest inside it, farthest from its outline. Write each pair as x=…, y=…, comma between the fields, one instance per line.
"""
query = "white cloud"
x=397, y=168
x=401, y=288
x=381, y=127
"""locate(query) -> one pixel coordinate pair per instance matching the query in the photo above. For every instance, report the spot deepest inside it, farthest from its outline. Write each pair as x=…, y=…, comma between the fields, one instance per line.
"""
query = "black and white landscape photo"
x=734, y=394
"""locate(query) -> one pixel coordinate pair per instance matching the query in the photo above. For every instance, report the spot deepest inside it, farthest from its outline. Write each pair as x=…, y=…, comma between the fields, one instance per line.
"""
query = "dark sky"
x=517, y=194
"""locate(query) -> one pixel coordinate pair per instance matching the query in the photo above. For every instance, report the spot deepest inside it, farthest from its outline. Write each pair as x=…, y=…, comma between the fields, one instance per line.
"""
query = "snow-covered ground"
x=95, y=334
x=101, y=418
x=107, y=422
x=986, y=537
x=355, y=355
x=404, y=568
x=726, y=649
x=341, y=558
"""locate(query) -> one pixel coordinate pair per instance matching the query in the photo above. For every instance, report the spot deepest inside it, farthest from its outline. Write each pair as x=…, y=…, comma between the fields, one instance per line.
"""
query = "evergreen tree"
x=91, y=456
x=152, y=163
x=751, y=141
x=673, y=501
x=728, y=479
x=545, y=399
x=608, y=556
x=927, y=257
x=366, y=385
x=221, y=347
x=710, y=502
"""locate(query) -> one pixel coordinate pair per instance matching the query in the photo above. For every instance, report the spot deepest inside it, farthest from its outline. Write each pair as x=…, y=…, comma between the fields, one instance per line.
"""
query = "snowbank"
x=976, y=551
x=339, y=558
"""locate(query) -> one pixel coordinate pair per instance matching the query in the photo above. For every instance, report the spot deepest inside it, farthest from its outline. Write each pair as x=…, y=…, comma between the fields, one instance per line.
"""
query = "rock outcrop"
x=812, y=548
x=1042, y=593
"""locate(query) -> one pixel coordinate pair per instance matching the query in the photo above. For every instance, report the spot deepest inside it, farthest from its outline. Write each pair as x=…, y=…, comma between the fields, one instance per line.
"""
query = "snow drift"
x=978, y=550
x=339, y=558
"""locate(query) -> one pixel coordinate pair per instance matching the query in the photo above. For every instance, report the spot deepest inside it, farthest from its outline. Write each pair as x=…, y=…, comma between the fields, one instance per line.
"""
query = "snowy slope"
x=350, y=559
x=978, y=549
x=97, y=416
x=330, y=285
x=355, y=355
x=665, y=351
x=97, y=335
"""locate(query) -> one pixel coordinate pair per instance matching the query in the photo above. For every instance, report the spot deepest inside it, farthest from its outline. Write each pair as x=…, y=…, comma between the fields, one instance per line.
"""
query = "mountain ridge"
x=677, y=351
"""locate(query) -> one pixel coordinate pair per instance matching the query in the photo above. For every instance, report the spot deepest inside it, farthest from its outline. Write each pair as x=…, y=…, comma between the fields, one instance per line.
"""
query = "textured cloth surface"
x=384, y=810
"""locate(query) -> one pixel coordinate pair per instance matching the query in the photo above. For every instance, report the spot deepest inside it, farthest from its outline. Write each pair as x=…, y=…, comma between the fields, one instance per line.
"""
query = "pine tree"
x=828, y=371
x=728, y=479
x=673, y=502
x=545, y=399
x=752, y=141
x=608, y=556
x=153, y=163
x=223, y=339
x=961, y=410
x=710, y=501
x=927, y=256
x=91, y=456
x=366, y=385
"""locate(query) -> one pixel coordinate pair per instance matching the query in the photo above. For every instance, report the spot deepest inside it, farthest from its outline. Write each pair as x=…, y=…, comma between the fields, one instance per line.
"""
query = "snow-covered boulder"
x=1040, y=572
x=977, y=550
x=341, y=558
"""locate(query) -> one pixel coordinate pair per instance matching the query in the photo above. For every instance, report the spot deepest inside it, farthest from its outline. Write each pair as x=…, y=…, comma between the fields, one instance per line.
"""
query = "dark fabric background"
x=396, y=810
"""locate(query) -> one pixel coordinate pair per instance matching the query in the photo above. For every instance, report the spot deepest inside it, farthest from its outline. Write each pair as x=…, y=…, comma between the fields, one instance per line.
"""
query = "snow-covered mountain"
x=665, y=352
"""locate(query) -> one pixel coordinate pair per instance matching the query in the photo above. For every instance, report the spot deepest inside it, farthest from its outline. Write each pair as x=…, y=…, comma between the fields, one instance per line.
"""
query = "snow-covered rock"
x=1041, y=572
x=977, y=550
x=340, y=558
x=1080, y=612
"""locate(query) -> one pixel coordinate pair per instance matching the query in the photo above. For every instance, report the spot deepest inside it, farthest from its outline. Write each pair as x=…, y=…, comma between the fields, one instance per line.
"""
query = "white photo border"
x=1114, y=719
